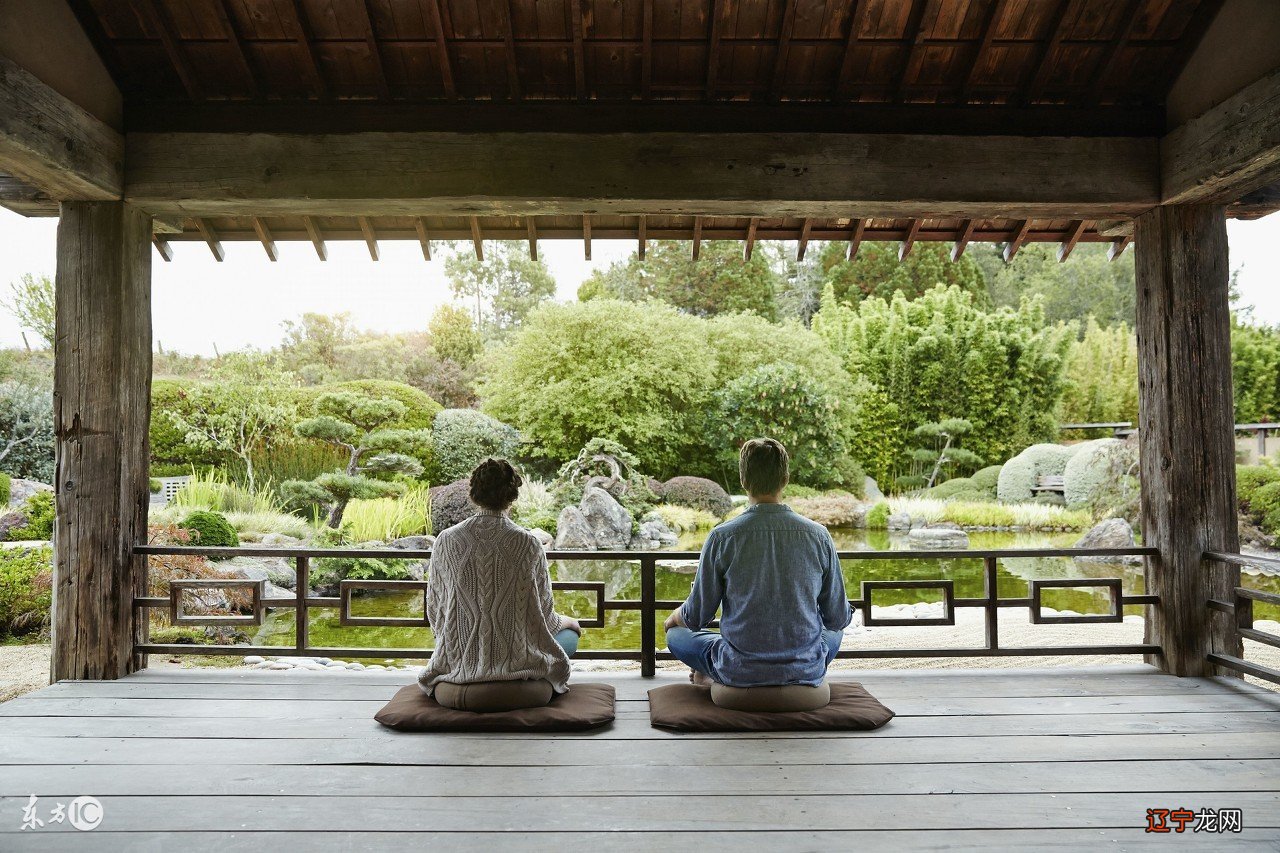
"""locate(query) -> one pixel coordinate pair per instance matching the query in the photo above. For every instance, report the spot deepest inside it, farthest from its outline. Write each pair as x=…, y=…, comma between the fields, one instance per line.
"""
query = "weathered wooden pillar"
x=101, y=411
x=1186, y=430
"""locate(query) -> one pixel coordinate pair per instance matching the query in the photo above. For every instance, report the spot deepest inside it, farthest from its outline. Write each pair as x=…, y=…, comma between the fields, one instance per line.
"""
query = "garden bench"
x=1046, y=484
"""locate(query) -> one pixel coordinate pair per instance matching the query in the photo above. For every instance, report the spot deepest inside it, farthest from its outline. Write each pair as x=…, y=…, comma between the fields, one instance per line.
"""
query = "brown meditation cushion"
x=688, y=708
x=776, y=699
x=487, y=697
x=585, y=706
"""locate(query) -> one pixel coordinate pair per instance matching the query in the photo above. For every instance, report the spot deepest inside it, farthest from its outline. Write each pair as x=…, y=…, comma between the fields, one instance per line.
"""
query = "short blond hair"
x=763, y=466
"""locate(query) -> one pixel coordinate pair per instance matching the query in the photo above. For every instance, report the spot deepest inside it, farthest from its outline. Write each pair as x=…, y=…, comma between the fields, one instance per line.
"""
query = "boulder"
x=871, y=490
x=278, y=570
x=898, y=521
x=20, y=490
x=11, y=520
x=657, y=530
x=573, y=533
x=938, y=538
x=1109, y=533
x=609, y=520
x=413, y=543
x=544, y=537
x=280, y=540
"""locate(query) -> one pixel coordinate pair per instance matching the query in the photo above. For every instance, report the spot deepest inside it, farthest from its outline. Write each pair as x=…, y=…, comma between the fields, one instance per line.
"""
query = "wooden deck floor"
x=257, y=761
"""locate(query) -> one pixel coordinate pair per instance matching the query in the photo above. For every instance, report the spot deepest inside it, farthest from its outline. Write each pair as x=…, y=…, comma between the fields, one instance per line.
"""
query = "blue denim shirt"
x=777, y=578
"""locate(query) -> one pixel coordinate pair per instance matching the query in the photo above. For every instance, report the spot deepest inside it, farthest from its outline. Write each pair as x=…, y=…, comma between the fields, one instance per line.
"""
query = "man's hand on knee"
x=675, y=620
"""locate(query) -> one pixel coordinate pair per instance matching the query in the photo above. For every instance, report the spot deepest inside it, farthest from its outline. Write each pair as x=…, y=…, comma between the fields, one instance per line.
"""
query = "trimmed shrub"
x=878, y=517
x=950, y=488
x=420, y=409
x=698, y=493
x=39, y=511
x=1090, y=470
x=211, y=530
x=834, y=509
x=451, y=505
x=465, y=437
x=26, y=590
x=1250, y=478
x=1265, y=506
x=986, y=479
x=686, y=519
x=1018, y=476
x=6, y=488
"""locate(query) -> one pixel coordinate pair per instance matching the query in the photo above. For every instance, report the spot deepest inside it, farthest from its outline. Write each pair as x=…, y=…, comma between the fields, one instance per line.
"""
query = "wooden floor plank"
x=649, y=813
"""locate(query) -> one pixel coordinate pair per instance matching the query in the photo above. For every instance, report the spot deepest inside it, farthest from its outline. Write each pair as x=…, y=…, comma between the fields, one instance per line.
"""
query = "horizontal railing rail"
x=649, y=606
x=1241, y=606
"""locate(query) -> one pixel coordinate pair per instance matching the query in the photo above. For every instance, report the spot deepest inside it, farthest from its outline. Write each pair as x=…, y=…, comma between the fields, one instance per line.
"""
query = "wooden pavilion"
x=145, y=122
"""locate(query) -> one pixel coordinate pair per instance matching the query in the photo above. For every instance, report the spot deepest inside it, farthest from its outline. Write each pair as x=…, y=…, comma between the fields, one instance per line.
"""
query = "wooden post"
x=101, y=411
x=1186, y=430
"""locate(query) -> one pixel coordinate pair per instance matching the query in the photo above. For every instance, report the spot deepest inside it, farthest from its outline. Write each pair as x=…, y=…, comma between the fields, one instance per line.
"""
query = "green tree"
x=312, y=346
x=32, y=305
x=939, y=451
x=504, y=287
x=1255, y=370
x=876, y=271
x=719, y=282
x=359, y=425
x=1102, y=376
x=1087, y=285
x=454, y=335
x=634, y=374
x=944, y=356
x=243, y=410
x=26, y=429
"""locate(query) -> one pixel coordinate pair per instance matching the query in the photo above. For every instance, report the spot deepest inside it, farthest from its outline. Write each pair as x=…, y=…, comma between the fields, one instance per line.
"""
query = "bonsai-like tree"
x=358, y=424
x=940, y=448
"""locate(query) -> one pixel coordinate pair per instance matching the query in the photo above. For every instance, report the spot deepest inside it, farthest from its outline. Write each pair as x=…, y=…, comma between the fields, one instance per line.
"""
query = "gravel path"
x=23, y=669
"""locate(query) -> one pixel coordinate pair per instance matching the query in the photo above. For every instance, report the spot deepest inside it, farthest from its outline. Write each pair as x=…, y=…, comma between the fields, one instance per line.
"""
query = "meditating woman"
x=489, y=600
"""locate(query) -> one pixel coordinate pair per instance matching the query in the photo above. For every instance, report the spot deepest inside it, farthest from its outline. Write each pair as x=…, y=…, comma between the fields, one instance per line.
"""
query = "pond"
x=622, y=581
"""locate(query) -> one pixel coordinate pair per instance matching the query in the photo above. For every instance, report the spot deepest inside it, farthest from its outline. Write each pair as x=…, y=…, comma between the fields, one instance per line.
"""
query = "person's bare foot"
x=700, y=679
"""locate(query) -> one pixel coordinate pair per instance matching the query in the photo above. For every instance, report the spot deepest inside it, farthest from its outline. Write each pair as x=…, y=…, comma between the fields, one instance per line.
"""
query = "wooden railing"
x=648, y=605
x=1241, y=606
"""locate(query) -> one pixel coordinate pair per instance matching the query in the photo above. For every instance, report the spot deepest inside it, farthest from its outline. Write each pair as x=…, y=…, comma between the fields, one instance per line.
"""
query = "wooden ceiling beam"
x=785, y=29
x=374, y=50
x=155, y=18
x=749, y=244
x=1118, y=247
x=573, y=8
x=713, y=46
x=646, y=50
x=642, y=236
x=1192, y=35
x=844, y=81
x=477, y=240
x=163, y=247
x=995, y=14
x=509, y=41
x=264, y=236
x=915, y=34
x=424, y=237
x=697, y=236
x=1073, y=237
x=1102, y=71
x=211, y=239
x=533, y=237
x=855, y=237
x=1044, y=62
x=236, y=39
x=802, y=245
x=586, y=237
x=962, y=242
x=908, y=241
x=370, y=236
x=1015, y=243
x=302, y=38
x=317, y=239
x=442, y=49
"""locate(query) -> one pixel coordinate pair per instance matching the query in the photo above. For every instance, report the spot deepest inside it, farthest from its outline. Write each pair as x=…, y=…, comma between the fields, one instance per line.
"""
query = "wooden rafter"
x=642, y=236
x=646, y=50
x=236, y=39
x=264, y=236
x=155, y=18
x=211, y=239
x=533, y=237
x=802, y=245
x=909, y=240
x=509, y=40
x=750, y=244
x=302, y=37
x=163, y=247
x=855, y=237
x=1044, y=62
x=713, y=46
x=1015, y=243
x=375, y=50
x=442, y=49
x=856, y=14
x=784, y=45
x=1073, y=237
x=424, y=237
x=477, y=241
x=995, y=14
x=1114, y=47
x=370, y=236
x=962, y=242
x=915, y=34
x=586, y=237
x=317, y=239
x=1201, y=18
x=697, y=236
x=573, y=8
x=1118, y=247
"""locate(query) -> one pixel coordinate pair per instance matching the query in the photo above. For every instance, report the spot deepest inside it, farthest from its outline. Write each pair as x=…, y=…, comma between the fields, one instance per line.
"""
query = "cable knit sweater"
x=489, y=602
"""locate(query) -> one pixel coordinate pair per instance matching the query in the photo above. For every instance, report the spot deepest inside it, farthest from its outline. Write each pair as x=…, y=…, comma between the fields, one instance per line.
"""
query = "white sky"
x=199, y=304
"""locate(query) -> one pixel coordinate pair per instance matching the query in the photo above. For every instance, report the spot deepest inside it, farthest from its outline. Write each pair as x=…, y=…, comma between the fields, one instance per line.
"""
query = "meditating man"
x=489, y=596
x=777, y=580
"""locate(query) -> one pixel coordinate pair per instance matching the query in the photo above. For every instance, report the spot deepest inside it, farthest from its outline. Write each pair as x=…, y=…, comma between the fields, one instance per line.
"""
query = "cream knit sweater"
x=489, y=602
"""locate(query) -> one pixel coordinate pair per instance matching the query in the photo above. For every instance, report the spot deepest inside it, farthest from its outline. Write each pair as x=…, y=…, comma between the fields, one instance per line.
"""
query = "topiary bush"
x=451, y=505
x=833, y=509
x=1091, y=470
x=26, y=590
x=1018, y=476
x=986, y=479
x=878, y=517
x=1249, y=479
x=465, y=437
x=950, y=488
x=39, y=511
x=211, y=530
x=6, y=488
x=698, y=493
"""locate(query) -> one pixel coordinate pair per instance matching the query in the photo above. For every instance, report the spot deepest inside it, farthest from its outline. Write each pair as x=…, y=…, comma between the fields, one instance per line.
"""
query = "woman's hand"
x=570, y=623
x=675, y=620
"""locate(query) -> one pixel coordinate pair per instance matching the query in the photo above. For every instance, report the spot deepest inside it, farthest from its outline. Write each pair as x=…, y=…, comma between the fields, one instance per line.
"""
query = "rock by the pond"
x=413, y=543
x=355, y=667
x=898, y=521
x=253, y=659
x=871, y=490
x=1109, y=533
x=657, y=529
x=278, y=570
x=573, y=533
x=280, y=540
x=938, y=538
x=20, y=490
x=11, y=520
x=543, y=537
x=609, y=520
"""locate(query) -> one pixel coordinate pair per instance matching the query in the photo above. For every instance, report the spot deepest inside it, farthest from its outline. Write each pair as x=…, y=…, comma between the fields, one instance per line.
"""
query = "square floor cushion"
x=585, y=706
x=688, y=708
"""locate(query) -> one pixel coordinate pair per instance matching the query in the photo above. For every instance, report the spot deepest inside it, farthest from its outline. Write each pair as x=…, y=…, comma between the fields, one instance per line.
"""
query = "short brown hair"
x=495, y=484
x=762, y=466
